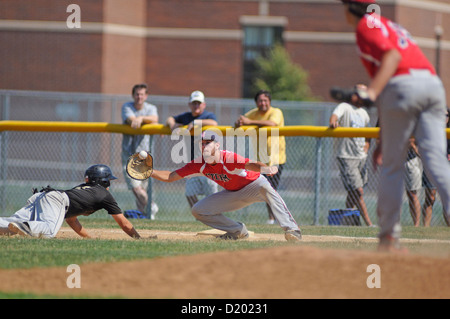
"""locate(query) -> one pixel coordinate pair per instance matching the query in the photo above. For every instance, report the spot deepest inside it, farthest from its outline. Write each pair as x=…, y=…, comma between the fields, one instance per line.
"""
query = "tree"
x=279, y=75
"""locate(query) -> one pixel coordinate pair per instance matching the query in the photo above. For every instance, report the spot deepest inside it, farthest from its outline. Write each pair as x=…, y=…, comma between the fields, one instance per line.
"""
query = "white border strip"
x=323, y=37
x=190, y=33
x=263, y=20
x=119, y=29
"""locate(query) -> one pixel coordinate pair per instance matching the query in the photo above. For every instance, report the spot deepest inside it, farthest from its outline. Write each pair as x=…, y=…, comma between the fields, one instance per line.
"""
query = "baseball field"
x=186, y=261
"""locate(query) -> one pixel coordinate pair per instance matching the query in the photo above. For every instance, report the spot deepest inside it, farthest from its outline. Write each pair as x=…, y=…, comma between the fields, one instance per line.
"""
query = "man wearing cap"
x=411, y=102
x=243, y=185
x=197, y=115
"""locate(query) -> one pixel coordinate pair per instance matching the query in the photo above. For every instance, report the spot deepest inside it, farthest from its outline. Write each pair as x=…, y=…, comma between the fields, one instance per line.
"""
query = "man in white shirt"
x=352, y=155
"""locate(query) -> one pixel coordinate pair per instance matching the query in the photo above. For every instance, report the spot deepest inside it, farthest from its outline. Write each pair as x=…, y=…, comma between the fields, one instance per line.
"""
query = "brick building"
x=177, y=46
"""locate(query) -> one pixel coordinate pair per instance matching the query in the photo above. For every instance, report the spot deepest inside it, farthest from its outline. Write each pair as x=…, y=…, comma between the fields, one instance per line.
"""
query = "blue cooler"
x=344, y=217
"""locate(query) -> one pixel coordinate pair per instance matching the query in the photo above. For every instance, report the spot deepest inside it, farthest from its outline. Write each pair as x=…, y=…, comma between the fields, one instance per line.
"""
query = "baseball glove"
x=357, y=96
x=140, y=169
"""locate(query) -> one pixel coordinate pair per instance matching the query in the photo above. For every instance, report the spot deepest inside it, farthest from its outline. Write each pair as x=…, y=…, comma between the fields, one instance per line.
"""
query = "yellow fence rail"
x=89, y=127
x=99, y=127
x=311, y=182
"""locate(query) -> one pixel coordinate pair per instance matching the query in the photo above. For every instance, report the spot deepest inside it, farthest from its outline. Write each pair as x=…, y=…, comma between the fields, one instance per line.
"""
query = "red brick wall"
x=125, y=12
x=50, y=10
x=123, y=57
x=198, y=13
x=122, y=64
x=86, y=62
x=177, y=67
x=328, y=65
x=51, y=61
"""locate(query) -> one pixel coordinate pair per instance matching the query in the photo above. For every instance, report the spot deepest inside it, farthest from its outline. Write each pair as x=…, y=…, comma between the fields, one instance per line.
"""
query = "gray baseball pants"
x=411, y=105
x=44, y=213
x=210, y=209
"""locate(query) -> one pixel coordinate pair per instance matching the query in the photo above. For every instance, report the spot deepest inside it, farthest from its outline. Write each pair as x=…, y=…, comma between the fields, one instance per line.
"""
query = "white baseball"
x=143, y=154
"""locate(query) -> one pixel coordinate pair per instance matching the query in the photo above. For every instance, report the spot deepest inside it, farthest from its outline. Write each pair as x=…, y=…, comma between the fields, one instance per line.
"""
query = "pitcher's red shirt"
x=375, y=35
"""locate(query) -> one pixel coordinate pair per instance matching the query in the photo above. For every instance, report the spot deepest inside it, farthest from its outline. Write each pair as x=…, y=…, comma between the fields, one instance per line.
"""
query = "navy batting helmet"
x=99, y=174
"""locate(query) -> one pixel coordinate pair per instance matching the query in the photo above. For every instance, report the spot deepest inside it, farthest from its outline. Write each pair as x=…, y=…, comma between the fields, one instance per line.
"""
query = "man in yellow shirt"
x=266, y=115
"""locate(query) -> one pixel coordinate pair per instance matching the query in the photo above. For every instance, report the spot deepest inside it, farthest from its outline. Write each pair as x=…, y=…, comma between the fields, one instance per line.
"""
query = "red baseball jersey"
x=376, y=35
x=230, y=173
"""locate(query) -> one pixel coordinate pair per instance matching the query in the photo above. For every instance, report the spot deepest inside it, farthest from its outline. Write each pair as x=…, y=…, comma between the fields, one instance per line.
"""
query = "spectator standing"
x=413, y=181
x=266, y=115
x=197, y=185
x=135, y=114
x=352, y=155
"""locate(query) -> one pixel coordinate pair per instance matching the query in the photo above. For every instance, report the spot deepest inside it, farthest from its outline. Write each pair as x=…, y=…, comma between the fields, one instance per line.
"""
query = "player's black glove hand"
x=357, y=96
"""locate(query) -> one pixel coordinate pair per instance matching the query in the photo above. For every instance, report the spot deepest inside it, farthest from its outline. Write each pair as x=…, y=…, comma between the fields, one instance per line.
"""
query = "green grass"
x=19, y=252
x=28, y=253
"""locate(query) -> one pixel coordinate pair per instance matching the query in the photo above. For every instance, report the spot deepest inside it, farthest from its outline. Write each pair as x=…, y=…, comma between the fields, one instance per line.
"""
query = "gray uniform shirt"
x=136, y=143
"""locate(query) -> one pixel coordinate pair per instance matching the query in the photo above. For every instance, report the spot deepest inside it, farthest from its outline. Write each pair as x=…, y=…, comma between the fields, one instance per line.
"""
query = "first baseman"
x=243, y=185
x=411, y=102
x=46, y=210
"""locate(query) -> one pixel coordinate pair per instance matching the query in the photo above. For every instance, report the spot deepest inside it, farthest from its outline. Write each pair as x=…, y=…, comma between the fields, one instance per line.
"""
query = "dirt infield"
x=288, y=272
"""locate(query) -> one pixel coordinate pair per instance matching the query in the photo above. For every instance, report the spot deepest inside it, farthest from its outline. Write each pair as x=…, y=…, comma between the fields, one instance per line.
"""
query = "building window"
x=258, y=41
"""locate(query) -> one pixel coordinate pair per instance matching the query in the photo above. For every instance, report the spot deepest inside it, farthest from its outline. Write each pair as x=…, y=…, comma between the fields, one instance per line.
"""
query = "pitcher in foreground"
x=410, y=98
x=243, y=185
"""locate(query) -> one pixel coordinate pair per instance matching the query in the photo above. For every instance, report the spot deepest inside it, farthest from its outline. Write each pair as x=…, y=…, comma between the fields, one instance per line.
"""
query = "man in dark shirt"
x=197, y=116
x=46, y=210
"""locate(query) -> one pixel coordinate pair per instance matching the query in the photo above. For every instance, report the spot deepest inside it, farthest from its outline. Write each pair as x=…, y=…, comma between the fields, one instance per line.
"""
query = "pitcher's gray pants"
x=210, y=209
x=411, y=105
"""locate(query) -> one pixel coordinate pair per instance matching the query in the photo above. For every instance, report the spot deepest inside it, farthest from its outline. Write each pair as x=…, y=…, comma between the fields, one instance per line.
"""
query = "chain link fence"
x=310, y=183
